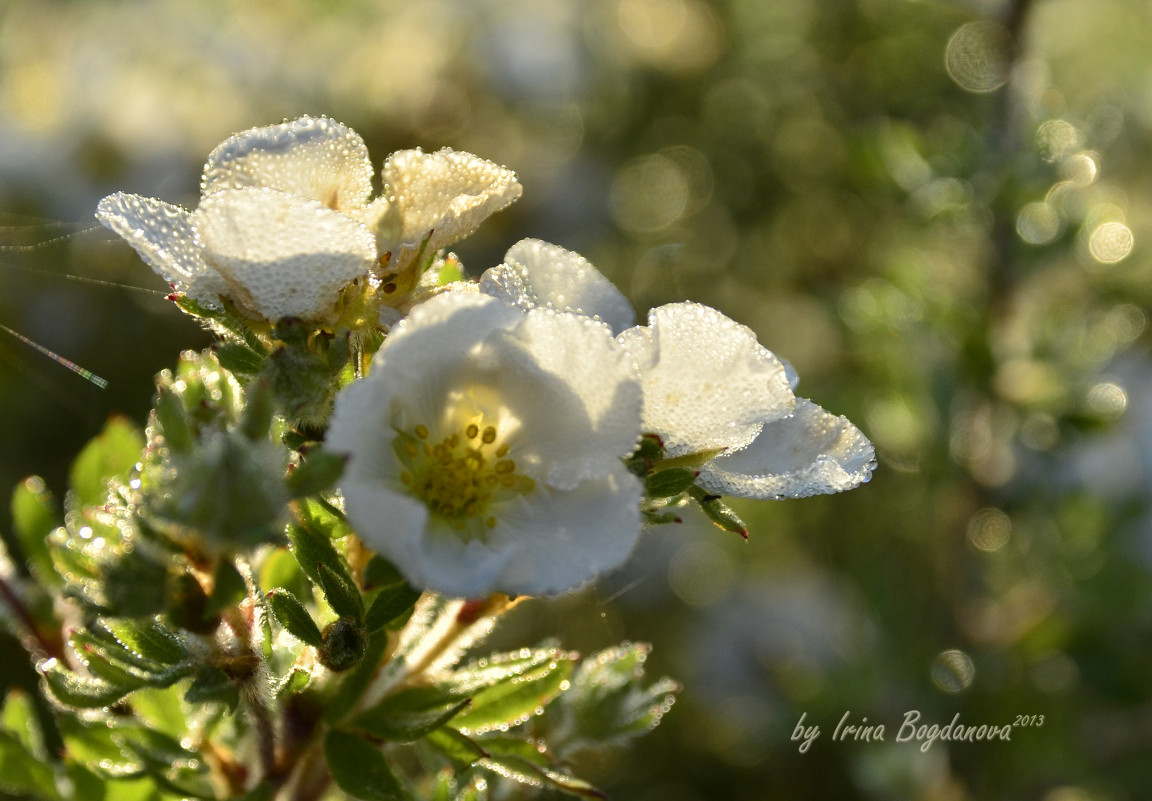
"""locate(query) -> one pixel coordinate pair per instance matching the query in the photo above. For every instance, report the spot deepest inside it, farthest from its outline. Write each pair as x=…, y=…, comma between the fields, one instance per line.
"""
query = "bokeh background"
x=938, y=211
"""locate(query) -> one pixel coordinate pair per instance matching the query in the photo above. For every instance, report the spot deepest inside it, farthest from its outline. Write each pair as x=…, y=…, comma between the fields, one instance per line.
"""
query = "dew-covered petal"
x=574, y=392
x=446, y=194
x=313, y=157
x=810, y=452
x=564, y=539
x=282, y=255
x=536, y=273
x=162, y=234
x=707, y=382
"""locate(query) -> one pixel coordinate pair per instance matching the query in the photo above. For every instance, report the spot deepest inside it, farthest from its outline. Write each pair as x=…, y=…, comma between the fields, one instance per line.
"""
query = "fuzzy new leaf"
x=294, y=617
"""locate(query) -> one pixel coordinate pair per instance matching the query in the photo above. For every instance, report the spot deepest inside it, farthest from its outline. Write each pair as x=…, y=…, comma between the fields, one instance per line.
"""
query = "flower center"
x=460, y=477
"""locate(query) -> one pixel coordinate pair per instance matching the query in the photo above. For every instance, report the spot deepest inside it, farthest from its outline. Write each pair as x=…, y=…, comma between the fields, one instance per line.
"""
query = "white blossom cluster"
x=487, y=445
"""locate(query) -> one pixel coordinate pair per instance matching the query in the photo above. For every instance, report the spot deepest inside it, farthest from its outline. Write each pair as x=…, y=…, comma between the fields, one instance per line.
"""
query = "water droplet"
x=989, y=530
x=978, y=56
x=1111, y=242
x=952, y=671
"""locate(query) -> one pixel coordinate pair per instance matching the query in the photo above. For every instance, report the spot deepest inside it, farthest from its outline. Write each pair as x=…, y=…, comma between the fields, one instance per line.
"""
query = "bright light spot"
x=1111, y=242
x=1056, y=139
x=675, y=35
x=1080, y=169
x=1037, y=223
x=649, y=194
x=952, y=671
x=989, y=530
x=977, y=56
x=1108, y=399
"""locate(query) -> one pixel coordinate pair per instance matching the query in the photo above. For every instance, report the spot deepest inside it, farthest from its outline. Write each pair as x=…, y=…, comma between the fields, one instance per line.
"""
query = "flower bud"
x=345, y=641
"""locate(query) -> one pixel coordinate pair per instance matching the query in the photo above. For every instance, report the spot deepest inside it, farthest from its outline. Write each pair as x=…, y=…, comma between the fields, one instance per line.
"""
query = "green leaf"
x=341, y=592
x=82, y=692
x=359, y=769
x=316, y=473
x=280, y=569
x=98, y=639
x=294, y=616
x=445, y=786
x=112, y=454
x=134, y=584
x=390, y=604
x=381, y=573
x=518, y=698
x=312, y=548
x=669, y=483
x=653, y=518
x=34, y=516
x=171, y=416
x=460, y=749
x=259, y=412
x=239, y=358
x=22, y=773
x=719, y=513
x=151, y=640
x=608, y=704
x=228, y=588
x=500, y=668
x=524, y=762
x=212, y=685
x=410, y=714
x=323, y=517
x=294, y=682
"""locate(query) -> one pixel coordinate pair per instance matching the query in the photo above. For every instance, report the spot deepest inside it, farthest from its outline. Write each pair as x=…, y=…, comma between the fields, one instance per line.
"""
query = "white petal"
x=536, y=273
x=707, y=382
x=583, y=416
x=282, y=255
x=811, y=452
x=430, y=555
x=565, y=538
x=312, y=157
x=162, y=234
x=446, y=194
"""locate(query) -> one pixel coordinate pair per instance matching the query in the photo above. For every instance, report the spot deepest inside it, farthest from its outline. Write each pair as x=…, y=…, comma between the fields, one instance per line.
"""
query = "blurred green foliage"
x=936, y=211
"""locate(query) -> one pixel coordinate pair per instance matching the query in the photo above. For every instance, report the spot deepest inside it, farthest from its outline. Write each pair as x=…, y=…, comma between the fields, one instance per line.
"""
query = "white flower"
x=485, y=448
x=708, y=384
x=285, y=222
x=442, y=196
